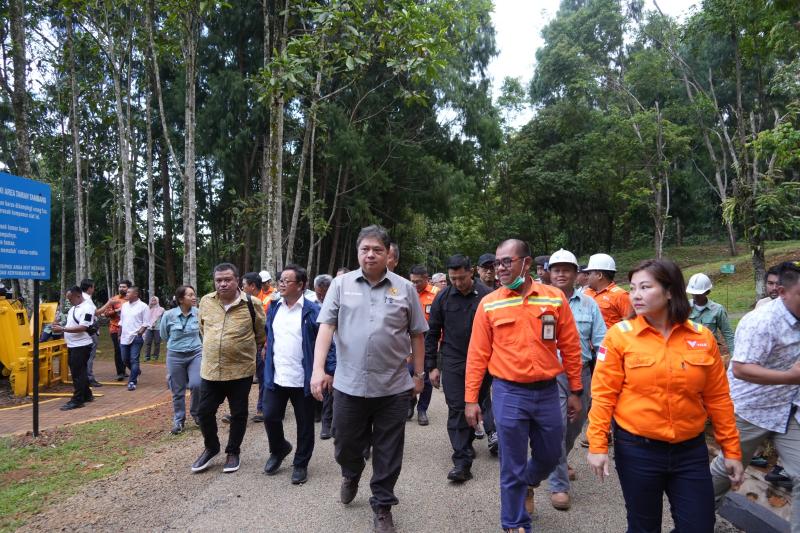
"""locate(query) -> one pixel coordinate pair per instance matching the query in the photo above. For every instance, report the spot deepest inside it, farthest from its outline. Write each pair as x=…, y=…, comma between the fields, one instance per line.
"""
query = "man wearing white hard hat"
x=267, y=292
x=563, y=269
x=707, y=312
x=612, y=300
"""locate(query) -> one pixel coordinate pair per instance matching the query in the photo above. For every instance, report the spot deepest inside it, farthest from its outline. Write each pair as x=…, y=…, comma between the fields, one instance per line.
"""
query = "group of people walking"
x=524, y=359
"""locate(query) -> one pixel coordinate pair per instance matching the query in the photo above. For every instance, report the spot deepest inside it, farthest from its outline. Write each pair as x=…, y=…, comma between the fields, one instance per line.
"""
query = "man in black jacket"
x=450, y=328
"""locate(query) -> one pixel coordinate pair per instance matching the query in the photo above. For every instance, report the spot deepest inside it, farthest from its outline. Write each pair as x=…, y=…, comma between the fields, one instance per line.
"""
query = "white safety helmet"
x=602, y=262
x=563, y=256
x=265, y=277
x=699, y=284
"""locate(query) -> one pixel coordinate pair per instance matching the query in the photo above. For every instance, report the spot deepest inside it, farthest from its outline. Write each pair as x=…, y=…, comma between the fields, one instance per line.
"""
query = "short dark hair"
x=342, y=270
x=87, y=284
x=180, y=292
x=299, y=272
x=541, y=260
x=134, y=288
x=454, y=262
x=127, y=282
x=521, y=246
x=668, y=274
x=418, y=270
x=222, y=267
x=773, y=271
x=253, y=278
x=74, y=290
x=323, y=281
x=374, y=232
x=789, y=273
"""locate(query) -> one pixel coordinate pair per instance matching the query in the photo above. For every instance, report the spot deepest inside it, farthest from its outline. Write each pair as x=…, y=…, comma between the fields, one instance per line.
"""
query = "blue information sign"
x=24, y=228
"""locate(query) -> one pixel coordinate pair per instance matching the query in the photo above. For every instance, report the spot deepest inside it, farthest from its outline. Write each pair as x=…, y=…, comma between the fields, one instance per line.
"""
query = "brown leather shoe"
x=348, y=490
x=382, y=522
x=529, y=501
x=560, y=500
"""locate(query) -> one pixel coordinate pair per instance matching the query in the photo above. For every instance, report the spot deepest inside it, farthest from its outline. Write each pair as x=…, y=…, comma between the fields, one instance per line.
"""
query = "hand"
x=419, y=384
x=58, y=328
x=574, y=407
x=320, y=382
x=735, y=472
x=472, y=412
x=435, y=376
x=598, y=462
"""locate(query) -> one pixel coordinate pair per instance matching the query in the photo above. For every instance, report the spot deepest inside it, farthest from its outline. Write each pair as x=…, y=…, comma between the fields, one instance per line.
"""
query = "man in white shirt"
x=133, y=323
x=79, y=346
x=291, y=334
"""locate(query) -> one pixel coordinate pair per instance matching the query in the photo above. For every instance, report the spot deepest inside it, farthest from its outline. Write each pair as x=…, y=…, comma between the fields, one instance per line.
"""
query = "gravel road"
x=159, y=493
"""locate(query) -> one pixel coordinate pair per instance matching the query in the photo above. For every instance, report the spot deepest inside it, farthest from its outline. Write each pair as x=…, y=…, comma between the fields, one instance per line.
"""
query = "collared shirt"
x=452, y=313
x=661, y=388
x=426, y=299
x=182, y=332
x=154, y=315
x=714, y=317
x=373, y=326
x=80, y=315
x=507, y=339
x=288, y=347
x=231, y=337
x=770, y=337
x=763, y=301
x=132, y=317
x=589, y=319
x=117, y=302
x=613, y=301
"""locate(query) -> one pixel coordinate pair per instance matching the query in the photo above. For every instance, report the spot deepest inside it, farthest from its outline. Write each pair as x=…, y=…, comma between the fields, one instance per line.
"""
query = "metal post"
x=36, y=358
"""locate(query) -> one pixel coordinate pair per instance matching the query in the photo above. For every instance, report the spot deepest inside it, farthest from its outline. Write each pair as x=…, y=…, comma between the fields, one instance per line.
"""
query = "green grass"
x=34, y=472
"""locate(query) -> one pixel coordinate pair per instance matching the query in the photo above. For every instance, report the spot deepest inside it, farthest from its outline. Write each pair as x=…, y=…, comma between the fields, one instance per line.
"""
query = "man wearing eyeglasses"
x=764, y=378
x=517, y=334
x=373, y=312
x=485, y=270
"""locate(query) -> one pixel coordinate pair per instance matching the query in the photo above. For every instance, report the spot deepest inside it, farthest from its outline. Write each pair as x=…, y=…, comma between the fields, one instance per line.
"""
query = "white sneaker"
x=479, y=431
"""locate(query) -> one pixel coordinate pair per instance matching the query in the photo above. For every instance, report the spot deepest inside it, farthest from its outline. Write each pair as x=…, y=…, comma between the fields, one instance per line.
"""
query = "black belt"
x=536, y=385
x=627, y=436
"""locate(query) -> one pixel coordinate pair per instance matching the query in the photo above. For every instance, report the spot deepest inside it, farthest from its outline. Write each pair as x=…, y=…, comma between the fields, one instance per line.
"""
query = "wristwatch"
x=420, y=375
x=577, y=393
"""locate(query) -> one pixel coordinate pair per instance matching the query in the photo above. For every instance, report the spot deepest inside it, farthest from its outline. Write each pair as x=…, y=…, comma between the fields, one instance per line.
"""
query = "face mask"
x=518, y=281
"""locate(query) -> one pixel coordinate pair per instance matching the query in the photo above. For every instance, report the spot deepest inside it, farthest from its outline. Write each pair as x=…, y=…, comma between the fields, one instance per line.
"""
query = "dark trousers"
x=212, y=394
x=275, y=401
x=485, y=402
x=260, y=376
x=381, y=422
x=530, y=435
x=327, y=411
x=117, y=355
x=647, y=469
x=424, y=400
x=460, y=433
x=77, y=358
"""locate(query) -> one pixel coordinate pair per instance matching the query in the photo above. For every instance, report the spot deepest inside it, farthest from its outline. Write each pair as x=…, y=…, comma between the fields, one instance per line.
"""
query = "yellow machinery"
x=16, y=350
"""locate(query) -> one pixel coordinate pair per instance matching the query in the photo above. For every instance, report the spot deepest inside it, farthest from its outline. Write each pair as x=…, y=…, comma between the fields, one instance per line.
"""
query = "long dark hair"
x=668, y=274
x=180, y=292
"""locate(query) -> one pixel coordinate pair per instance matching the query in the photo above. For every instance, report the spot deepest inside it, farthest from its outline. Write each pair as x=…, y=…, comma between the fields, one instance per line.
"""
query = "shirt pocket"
x=696, y=367
x=505, y=333
x=640, y=372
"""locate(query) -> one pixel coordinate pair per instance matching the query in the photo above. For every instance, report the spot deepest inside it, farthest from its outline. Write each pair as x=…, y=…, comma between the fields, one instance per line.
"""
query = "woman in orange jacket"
x=660, y=377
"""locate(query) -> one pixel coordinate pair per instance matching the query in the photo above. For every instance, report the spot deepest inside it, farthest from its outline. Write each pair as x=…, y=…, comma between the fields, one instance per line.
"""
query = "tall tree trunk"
x=80, y=243
x=298, y=194
x=312, y=209
x=19, y=105
x=192, y=28
x=151, y=245
x=63, y=277
x=166, y=191
x=265, y=229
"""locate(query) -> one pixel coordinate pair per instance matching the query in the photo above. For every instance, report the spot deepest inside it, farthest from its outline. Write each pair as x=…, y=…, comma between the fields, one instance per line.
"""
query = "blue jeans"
x=530, y=436
x=647, y=469
x=130, y=357
x=183, y=371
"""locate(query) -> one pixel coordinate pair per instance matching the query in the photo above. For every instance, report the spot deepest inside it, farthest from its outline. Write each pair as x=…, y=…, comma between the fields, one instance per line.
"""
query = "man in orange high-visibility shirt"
x=613, y=301
x=426, y=292
x=517, y=334
x=267, y=292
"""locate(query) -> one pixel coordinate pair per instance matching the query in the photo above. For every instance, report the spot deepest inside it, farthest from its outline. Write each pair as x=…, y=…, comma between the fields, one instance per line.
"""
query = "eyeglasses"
x=286, y=281
x=506, y=262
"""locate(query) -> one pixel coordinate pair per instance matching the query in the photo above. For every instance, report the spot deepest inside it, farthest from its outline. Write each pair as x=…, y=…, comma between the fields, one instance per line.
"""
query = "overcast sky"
x=518, y=25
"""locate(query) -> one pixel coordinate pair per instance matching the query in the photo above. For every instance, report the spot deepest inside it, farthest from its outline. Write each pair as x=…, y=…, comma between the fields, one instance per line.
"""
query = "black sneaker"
x=177, y=428
x=204, y=461
x=422, y=418
x=299, y=475
x=226, y=419
x=459, y=474
x=231, y=463
x=493, y=443
x=777, y=476
x=95, y=383
x=69, y=406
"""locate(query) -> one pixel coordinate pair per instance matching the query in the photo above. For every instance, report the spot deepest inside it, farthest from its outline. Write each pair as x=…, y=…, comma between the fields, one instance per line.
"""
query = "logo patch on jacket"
x=697, y=345
x=601, y=353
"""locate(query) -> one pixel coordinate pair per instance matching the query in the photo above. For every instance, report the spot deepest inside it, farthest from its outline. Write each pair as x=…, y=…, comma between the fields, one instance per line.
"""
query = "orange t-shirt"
x=507, y=339
x=113, y=313
x=613, y=301
x=662, y=389
x=426, y=298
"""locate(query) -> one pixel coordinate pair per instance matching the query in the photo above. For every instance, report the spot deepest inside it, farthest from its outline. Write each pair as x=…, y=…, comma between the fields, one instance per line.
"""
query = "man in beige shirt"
x=232, y=328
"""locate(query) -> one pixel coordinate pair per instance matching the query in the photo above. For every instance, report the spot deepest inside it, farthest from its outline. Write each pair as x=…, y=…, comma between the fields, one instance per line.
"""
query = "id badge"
x=548, y=328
